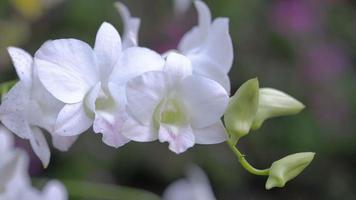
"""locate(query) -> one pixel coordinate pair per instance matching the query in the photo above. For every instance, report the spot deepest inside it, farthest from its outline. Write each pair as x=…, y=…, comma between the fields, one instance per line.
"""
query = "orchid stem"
x=245, y=163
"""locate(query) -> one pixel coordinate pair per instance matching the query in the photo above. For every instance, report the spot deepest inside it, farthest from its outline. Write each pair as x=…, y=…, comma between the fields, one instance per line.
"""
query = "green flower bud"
x=274, y=103
x=242, y=109
x=288, y=168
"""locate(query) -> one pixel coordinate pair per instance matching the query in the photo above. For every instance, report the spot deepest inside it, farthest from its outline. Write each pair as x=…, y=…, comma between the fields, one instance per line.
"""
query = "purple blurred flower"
x=293, y=17
x=324, y=65
x=325, y=62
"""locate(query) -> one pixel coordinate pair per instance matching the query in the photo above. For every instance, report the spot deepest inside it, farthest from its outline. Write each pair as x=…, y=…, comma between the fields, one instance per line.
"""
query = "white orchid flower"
x=209, y=46
x=28, y=107
x=131, y=26
x=91, y=82
x=175, y=106
x=195, y=187
x=15, y=182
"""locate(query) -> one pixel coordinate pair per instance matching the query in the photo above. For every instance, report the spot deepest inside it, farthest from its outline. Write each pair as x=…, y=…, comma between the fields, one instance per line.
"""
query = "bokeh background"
x=306, y=48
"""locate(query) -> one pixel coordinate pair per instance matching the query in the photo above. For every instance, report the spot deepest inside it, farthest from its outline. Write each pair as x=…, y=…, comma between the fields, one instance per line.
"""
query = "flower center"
x=170, y=111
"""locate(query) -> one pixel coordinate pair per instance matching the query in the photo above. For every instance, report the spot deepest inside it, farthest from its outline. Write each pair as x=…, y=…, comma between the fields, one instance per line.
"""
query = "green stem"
x=102, y=191
x=245, y=163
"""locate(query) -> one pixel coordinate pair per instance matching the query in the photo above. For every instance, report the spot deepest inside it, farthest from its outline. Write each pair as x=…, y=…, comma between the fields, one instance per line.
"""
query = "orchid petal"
x=180, y=189
x=109, y=112
x=204, y=67
x=133, y=62
x=67, y=68
x=6, y=139
x=205, y=100
x=13, y=111
x=180, y=138
x=144, y=93
x=44, y=107
x=177, y=66
x=107, y=48
x=23, y=64
x=217, y=48
x=204, y=15
x=110, y=125
x=131, y=26
x=196, y=186
x=63, y=143
x=135, y=131
x=191, y=40
x=55, y=190
x=195, y=37
x=213, y=134
x=91, y=98
x=73, y=120
x=40, y=146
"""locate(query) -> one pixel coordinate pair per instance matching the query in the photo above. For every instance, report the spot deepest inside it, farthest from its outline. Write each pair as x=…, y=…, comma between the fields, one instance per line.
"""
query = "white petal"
x=8, y=164
x=73, y=120
x=205, y=100
x=118, y=94
x=191, y=40
x=177, y=66
x=14, y=176
x=213, y=134
x=91, y=98
x=196, y=36
x=107, y=48
x=111, y=127
x=204, y=67
x=180, y=189
x=54, y=190
x=217, y=49
x=204, y=15
x=135, y=61
x=200, y=184
x=44, y=107
x=63, y=143
x=67, y=68
x=40, y=146
x=14, y=109
x=180, y=138
x=6, y=139
x=23, y=64
x=144, y=93
x=131, y=26
x=137, y=132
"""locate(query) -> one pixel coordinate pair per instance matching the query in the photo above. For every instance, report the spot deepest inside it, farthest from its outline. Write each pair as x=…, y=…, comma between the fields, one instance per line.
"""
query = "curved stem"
x=245, y=163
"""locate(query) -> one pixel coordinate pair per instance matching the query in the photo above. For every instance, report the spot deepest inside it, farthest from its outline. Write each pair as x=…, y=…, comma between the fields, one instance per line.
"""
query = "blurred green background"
x=306, y=48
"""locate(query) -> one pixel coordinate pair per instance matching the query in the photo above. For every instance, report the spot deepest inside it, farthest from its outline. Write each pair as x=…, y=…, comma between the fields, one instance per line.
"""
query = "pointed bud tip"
x=287, y=168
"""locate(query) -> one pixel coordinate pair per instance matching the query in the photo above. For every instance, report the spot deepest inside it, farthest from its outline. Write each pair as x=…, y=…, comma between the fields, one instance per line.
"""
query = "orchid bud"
x=242, y=109
x=274, y=103
x=287, y=168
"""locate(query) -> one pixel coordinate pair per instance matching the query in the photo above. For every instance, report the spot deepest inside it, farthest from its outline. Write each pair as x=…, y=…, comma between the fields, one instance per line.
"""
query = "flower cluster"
x=15, y=182
x=132, y=93
x=125, y=92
